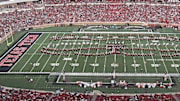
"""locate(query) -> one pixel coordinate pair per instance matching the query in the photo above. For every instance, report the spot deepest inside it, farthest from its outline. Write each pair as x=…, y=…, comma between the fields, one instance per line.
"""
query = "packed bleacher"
x=13, y=94
x=8, y=94
x=110, y=1
x=32, y=14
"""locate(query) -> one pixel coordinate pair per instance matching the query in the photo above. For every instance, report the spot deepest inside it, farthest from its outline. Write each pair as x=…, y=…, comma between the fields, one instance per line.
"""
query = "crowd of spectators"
x=35, y=15
x=109, y=1
x=10, y=94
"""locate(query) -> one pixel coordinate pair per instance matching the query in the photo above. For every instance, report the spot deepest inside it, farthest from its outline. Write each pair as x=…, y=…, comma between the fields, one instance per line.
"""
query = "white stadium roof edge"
x=14, y=2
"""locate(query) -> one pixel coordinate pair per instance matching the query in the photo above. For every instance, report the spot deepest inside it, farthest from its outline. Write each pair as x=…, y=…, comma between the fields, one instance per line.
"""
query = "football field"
x=102, y=52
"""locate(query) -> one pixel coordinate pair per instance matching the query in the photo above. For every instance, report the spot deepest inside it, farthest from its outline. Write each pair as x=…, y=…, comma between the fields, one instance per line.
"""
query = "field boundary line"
x=33, y=55
x=13, y=46
x=93, y=74
x=25, y=52
x=50, y=55
x=108, y=32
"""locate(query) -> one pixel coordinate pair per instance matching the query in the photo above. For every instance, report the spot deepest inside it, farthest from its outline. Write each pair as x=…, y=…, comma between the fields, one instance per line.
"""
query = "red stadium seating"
x=22, y=18
x=7, y=94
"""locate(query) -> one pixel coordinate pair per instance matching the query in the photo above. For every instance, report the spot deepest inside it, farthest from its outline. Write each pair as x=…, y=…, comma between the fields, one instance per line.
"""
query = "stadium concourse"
x=25, y=15
x=14, y=94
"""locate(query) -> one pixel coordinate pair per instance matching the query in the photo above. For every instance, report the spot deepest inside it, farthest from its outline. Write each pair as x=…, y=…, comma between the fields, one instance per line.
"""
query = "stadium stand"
x=24, y=18
x=110, y=1
x=7, y=94
x=178, y=96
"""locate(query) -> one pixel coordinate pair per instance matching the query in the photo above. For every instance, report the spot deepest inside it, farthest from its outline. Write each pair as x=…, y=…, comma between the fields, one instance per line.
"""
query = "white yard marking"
x=143, y=56
x=171, y=56
x=124, y=59
x=105, y=55
x=162, y=59
x=96, y=56
x=134, y=59
x=58, y=57
x=34, y=53
x=25, y=52
x=51, y=55
x=152, y=56
x=77, y=57
x=40, y=57
x=68, y=57
x=64, y=64
x=87, y=56
x=115, y=55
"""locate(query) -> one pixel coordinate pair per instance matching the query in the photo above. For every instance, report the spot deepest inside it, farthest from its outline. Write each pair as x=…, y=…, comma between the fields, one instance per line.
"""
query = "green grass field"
x=39, y=83
x=35, y=61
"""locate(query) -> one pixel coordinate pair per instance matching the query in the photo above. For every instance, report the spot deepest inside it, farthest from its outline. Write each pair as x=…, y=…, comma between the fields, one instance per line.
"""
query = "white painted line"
x=171, y=56
x=39, y=59
x=50, y=55
x=105, y=55
x=77, y=56
x=22, y=55
x=143, y=56
x=68, y=57
x=59, y=56
x=14, y=46
x=125, y=68
x=134, y=59
x=96, y=56
x=152, y=56
x=32, y=55
x=87, y=56
x=162, y=59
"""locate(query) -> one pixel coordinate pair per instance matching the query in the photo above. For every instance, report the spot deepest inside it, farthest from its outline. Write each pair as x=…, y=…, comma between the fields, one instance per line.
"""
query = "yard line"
x=133, y=56
x=171, y=56
x=152, y=55
x=88, y=53
x=59, y=56
x=124, y=58
x=115, y=54
x=105, y=55
x=34, y=53
x=51, y=55
x=37, y=81
x=77, y=57
x=40, y=58
x=96, y=56
x=143, y=56
x=162, y=59
x=68, y=57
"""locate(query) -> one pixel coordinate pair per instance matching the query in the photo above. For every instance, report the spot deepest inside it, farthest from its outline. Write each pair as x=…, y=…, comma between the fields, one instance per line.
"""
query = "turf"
x=21, y=81
x=33, y=56
x=39, y=83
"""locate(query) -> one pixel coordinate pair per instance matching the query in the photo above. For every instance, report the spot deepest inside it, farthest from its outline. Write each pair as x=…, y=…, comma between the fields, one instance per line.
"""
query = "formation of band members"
x=118, y=37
